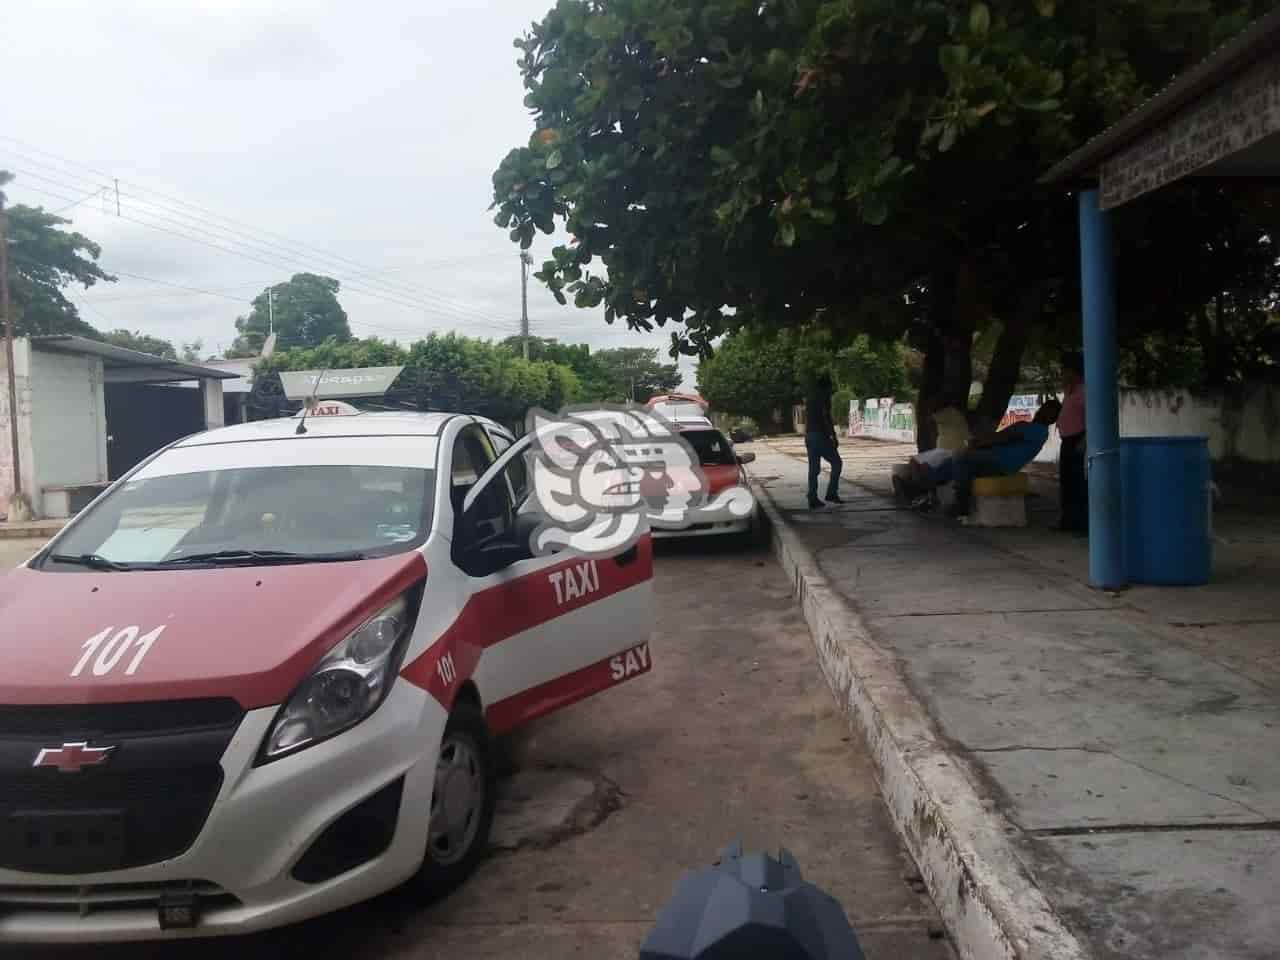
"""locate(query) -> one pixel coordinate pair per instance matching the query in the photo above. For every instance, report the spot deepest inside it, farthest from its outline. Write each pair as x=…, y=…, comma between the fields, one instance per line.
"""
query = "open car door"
x=555, y=629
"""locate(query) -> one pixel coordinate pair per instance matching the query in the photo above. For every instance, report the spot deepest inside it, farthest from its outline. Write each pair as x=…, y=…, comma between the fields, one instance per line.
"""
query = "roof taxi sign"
x=326, y=408
x=338, y=384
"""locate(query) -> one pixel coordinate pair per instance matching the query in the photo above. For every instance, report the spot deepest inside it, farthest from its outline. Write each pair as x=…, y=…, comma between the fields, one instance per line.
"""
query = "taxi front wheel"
x=462, y=803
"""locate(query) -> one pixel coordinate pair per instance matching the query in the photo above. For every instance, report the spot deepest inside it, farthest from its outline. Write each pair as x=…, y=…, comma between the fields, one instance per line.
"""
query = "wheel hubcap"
x=457, y=801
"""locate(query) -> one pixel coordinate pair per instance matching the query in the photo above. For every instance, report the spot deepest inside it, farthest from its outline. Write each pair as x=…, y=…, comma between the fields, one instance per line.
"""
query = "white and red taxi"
x=257, y=679
x=703, y=511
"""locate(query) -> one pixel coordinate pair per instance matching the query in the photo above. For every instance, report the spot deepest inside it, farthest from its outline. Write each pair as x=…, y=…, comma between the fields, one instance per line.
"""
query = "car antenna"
x=309, y=404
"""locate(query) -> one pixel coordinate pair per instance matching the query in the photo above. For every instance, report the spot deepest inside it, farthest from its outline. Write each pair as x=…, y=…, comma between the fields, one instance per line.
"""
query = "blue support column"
x=1098, y=287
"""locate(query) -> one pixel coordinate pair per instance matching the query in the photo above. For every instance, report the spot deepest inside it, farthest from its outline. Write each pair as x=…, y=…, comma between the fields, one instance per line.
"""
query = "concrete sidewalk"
x=30, y=530
x=1077, y=773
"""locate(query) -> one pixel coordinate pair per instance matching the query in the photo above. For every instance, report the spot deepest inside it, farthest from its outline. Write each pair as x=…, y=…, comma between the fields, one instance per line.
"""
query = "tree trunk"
x=959, y=338
x=942, y=301
x=1006, y=367
x=931, y=379
x=1215, y=347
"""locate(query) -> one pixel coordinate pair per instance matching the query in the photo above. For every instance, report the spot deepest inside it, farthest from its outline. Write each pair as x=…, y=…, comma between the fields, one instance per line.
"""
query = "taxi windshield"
x=256, y=514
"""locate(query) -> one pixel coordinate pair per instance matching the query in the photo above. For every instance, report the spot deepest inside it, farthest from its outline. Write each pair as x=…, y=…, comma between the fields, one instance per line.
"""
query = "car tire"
x=756, y=536
x=459, y=824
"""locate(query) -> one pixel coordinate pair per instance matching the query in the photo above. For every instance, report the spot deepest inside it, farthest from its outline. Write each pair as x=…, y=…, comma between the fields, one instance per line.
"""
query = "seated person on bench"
x=1000, y=454
x=930, y=469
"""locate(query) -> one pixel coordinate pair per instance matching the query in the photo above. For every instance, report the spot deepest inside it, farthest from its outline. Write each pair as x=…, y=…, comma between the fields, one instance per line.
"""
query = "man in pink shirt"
x=1072, y=481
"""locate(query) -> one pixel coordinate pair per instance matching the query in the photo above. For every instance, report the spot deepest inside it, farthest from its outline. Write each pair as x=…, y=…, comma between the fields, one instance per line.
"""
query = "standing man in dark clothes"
x=1073, y=484
x=820, y=440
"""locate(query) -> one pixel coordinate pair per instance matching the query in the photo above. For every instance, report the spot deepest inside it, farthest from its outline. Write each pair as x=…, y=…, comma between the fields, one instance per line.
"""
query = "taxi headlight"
x=347, y=685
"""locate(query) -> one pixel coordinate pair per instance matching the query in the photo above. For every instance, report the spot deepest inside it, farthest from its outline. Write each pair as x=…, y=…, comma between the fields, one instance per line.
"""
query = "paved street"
x=1123, y=743
x=734, y=734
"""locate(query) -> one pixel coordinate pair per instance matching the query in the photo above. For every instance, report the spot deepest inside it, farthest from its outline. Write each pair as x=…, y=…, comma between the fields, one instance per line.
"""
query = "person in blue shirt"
x=1000, y=454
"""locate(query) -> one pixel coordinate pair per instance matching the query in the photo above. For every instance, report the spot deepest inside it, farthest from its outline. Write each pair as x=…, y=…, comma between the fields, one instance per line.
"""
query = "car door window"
x=491, y=515
x=517, y=471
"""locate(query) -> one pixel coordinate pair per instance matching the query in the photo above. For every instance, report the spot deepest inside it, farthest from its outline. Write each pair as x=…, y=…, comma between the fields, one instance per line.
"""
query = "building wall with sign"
x=1240, y=426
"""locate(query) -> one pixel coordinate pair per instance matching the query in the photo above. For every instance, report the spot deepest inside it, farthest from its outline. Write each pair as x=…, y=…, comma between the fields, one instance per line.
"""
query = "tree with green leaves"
x=44, y=260
x=861, y=166
x=336, y=355
x=760, y=374
x=447, y=371
x=866, y=368
x=631, y=373
x=753, y=375
x=303, y=311
x=133, y=340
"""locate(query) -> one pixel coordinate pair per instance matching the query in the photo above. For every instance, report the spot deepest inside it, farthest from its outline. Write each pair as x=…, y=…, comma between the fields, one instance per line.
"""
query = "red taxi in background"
x=714, y=507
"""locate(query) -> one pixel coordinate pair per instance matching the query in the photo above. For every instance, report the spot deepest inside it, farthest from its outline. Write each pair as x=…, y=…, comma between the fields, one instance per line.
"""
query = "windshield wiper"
x=261, y=557
x=91, y=560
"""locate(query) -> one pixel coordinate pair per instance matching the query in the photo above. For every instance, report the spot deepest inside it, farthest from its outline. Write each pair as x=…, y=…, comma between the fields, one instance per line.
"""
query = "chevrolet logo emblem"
x=72, y=757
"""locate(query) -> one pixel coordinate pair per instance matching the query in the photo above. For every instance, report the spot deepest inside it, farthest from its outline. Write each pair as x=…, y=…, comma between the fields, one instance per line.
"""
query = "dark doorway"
x=142, y=418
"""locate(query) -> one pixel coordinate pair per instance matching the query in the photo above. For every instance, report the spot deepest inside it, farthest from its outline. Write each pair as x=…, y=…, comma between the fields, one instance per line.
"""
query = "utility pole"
x=17, y=502
x=525, y=260
x=117, y=180
x=271, y=310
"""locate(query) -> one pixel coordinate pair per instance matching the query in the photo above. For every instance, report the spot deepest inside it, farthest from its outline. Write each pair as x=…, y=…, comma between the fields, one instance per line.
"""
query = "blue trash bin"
x=1168, y=506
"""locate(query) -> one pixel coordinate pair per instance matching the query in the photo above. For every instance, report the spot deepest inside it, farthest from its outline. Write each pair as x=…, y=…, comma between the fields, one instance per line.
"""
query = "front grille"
x=163, y=811
x=146, y=803
x=118, y=719
x=100, y=897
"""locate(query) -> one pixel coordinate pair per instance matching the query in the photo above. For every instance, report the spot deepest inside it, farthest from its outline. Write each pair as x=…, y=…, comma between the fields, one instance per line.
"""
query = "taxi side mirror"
x=746, y=458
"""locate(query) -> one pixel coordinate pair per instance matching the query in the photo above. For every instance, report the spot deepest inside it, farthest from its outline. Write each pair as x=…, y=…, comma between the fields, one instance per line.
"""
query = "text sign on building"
x=1242, y=113
x=335, y=384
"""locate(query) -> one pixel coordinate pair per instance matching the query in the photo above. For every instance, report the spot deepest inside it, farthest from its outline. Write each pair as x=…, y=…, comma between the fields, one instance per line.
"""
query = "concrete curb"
x=989, y=902
x=35, y=530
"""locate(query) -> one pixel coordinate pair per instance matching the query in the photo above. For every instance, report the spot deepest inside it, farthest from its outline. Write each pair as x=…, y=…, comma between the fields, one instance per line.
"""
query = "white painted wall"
x=22, y=364
x=69, y=420
x=211, y=399
x=1246, y=426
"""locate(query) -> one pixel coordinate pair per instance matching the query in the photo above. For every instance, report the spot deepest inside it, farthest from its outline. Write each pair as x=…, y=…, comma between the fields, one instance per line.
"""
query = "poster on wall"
x=886, y=419
x=1021, y=409
x=855, y=419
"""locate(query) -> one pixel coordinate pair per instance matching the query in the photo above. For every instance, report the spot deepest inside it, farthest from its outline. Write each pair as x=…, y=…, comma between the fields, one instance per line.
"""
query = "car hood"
x=250, y=633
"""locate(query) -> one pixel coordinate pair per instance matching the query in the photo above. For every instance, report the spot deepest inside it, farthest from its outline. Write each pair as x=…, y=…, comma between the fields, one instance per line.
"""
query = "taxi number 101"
x=111, y=652
x=448, y=672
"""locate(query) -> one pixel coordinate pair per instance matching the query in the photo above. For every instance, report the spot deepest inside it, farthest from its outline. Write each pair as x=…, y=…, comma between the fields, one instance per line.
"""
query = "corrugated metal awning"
x=147, y=366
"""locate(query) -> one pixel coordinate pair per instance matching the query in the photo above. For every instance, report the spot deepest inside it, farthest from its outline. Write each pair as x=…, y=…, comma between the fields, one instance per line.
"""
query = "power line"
x=461, y=315
x=387, y=291
x=375, y=327
x=76, y=203
x=179, y=286
x=431, y=314
x=437, y=306
x=293, y=245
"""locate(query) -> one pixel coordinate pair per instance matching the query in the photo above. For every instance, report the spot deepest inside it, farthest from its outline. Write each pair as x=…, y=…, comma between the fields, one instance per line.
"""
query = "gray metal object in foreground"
x=750, y=906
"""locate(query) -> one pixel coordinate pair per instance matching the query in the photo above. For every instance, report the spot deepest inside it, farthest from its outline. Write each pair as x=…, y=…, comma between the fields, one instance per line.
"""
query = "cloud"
x=361, y=136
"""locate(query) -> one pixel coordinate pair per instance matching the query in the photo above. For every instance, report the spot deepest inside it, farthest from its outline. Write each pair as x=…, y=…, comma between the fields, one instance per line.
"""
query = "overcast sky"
x=351, y=139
